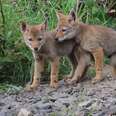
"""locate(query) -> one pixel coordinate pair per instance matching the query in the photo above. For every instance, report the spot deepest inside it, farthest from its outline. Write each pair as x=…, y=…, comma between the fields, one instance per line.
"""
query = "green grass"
x=15, y=58
x=10, y=88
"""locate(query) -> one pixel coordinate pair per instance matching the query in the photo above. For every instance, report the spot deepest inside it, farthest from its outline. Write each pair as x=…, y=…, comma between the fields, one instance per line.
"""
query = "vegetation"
x=15, y=57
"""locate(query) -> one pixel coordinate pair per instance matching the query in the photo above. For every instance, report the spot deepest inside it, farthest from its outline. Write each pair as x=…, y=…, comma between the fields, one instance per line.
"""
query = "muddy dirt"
x=84, y=99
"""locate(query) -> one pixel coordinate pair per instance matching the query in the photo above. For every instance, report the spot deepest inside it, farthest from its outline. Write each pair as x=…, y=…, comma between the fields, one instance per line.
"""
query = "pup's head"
x=66, y=26
x=33, y=35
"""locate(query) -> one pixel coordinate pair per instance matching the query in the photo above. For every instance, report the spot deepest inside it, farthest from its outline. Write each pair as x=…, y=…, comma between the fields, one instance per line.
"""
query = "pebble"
x=24, y=112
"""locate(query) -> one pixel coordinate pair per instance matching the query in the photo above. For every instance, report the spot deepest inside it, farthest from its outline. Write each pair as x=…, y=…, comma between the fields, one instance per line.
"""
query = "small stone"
x=59, y=95
x=2, y=114
x=45, y=100
x=66, y=104
x=52, y=99
x=2, y=104
x=80, y=113
x=85, y=103
x=24, y=112
x=96, y=106
x=45, y=106
x=47, y=111
x=91, y=93
x=69, y=91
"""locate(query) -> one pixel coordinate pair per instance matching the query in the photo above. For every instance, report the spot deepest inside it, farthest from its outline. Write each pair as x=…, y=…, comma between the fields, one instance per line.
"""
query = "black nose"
x=56, y=38
x=35, y=49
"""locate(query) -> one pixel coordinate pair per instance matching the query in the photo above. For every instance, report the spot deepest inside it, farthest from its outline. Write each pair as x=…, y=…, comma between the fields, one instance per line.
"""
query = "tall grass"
x=16, y=62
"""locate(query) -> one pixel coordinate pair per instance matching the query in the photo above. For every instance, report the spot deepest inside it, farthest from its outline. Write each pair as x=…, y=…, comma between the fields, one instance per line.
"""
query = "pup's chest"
x=47, y=54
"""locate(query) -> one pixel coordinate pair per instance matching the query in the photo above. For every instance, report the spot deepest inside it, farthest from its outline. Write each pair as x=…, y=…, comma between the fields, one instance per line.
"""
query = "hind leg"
x=114, y=72
x=81, y=68
x=74, y=62
x=113, y=63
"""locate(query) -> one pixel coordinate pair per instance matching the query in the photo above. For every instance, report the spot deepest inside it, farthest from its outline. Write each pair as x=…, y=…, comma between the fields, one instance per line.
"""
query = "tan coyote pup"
x=93, y=40
x=44, y=46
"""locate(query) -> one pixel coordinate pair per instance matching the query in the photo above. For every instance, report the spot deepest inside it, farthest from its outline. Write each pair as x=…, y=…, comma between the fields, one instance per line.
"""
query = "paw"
x=67, y=77
x=114, y=77
x=71, y=81
x=96, y=80
x=31, y=87
x=54, y=84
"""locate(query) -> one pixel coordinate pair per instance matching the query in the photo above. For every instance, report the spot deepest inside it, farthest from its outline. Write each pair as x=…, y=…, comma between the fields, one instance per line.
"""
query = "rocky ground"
x=84, y=99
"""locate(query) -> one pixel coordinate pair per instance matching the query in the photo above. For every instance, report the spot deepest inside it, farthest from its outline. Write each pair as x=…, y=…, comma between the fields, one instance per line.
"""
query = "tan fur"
x=54, y=72
x=114, y=72
x=38, y=69
x=44, y=46
x=92, y=39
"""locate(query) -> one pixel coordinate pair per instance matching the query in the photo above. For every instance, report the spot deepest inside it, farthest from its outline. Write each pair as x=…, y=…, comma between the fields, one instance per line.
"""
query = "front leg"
x=54, y=73
x=38, y=69
x=98, y=57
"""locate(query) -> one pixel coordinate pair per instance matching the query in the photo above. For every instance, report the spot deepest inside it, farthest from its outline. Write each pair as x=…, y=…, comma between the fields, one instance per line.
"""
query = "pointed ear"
x=59, y=15
x=23, y=26
x=45, y=25
x=72, y=15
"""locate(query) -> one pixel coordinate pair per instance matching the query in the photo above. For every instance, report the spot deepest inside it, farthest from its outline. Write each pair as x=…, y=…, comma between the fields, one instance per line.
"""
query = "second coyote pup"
x=44, y=46
x=93, y=40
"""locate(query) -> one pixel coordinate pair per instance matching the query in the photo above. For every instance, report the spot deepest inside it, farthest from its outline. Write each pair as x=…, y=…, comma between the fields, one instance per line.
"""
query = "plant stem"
x=3, y=17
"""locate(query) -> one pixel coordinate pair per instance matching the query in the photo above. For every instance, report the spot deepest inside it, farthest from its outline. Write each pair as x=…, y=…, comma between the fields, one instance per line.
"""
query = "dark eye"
x=57, y=30
x=64, y=29
x=30, y=39
x=70, y=20
x=39, y=39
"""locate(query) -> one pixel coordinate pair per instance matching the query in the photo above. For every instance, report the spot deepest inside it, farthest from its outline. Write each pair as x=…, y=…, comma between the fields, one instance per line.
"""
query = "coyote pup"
x=44, y=46
x=93, y=40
